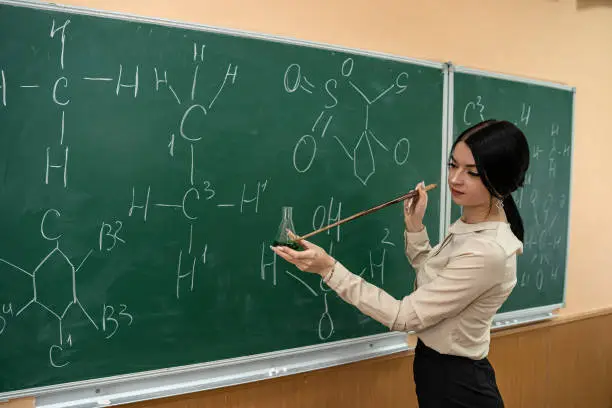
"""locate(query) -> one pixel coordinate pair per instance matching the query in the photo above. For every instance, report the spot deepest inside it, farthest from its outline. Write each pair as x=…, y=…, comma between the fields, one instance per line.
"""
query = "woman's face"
x=465, y=184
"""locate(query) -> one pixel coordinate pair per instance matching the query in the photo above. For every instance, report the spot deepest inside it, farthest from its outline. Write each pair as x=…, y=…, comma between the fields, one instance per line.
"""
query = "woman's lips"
x=455, y=192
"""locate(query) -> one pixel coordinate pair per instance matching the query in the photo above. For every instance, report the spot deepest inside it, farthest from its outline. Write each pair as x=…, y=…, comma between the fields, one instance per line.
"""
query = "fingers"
x=411, y=204
x=285, y=253
x=280, y=251
x=413, y=201
x=302, y=260
x=421, y=189
x=408, y=205
x=310, y=249
x=299, y=255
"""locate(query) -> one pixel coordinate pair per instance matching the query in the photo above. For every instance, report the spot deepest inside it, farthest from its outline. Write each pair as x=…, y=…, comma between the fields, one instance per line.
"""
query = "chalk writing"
x=126, y=85
x=525, y=114
x=471, y=107
x=41, y=295
x=63, y=166
x=362, y=153
x=108, y=319
x=544, y=233
x=7, y=311
x=107, y=232
x=324, y=216
x=376, y=266
x=63, y=81
x=198, y=52
x=231, y=73
x=61, y=28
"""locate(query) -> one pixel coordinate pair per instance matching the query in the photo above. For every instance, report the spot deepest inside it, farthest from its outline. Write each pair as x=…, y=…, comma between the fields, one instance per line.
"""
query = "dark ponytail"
x=514, y=217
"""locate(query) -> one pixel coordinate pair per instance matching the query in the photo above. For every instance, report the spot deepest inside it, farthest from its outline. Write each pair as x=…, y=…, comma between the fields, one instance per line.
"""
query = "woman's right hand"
x=414, y=209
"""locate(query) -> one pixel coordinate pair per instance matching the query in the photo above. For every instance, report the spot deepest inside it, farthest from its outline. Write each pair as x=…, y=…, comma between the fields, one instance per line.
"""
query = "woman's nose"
x=455, y=177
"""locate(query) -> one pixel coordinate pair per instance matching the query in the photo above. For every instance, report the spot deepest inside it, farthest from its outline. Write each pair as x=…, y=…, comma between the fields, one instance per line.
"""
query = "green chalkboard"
x=144, y=169
x=544, y=112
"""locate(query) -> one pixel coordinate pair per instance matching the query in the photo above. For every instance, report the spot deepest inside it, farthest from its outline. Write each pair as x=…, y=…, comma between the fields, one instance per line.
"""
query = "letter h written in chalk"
x=126, y=85
x=261, y=187
x=179, y=276
x=144, y=207
x=63, y=166
x=264, y=266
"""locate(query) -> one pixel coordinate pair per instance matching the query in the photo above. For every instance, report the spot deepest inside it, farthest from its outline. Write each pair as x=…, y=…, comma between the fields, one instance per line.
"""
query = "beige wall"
x=557, y=40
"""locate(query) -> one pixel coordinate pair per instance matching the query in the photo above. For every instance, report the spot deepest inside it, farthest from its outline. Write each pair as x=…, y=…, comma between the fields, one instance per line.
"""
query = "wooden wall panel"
x=21, y=403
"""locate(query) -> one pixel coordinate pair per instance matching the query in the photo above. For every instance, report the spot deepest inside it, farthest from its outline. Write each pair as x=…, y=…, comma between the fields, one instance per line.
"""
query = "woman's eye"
x=471, y=173
x=451, y=165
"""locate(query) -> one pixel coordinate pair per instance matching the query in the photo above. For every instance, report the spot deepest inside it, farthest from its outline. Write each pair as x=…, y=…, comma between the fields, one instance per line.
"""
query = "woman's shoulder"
x=506, y=239
x=489, y=245
x=494, y=239
x=486, y=257
x=483, y=248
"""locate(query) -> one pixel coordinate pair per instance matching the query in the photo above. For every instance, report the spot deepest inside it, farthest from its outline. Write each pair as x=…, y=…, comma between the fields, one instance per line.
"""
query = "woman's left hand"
x=312, y=259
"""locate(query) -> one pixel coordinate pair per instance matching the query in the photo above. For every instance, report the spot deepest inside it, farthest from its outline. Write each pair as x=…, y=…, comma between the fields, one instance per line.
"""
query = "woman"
x=460, y=283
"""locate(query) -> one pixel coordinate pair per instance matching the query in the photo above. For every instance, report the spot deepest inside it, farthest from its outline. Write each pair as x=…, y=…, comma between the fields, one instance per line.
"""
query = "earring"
x=500, y=204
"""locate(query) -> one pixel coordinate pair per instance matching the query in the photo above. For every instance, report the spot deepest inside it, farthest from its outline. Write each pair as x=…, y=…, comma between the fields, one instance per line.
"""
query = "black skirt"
x=451, y=381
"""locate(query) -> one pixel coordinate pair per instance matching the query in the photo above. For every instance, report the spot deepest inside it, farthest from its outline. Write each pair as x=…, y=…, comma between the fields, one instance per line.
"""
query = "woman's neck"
x=476, y=214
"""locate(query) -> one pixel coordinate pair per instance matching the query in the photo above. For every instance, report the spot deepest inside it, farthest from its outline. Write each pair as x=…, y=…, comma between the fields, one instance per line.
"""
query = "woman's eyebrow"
x=467, y=165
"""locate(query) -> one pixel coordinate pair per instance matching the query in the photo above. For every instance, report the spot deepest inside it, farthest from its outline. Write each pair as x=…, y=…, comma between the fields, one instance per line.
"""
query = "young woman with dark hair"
x=461, y=282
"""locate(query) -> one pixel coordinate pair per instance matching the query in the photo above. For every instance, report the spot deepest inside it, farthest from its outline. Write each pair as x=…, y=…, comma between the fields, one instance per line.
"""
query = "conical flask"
x=282, y=237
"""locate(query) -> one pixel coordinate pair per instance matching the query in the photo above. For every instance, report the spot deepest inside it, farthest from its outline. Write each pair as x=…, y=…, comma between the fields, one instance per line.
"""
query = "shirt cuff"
x=334, y=278
x=416, y=237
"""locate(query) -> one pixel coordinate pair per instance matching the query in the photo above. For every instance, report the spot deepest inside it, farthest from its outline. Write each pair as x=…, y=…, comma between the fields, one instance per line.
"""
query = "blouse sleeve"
x=417, y=246
x=465, y=278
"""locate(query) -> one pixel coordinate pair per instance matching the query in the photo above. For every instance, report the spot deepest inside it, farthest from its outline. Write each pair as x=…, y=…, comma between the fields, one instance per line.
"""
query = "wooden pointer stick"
x=362, y=213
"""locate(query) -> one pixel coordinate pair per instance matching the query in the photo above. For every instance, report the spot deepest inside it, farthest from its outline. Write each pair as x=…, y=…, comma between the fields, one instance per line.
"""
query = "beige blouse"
x=460, y=285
